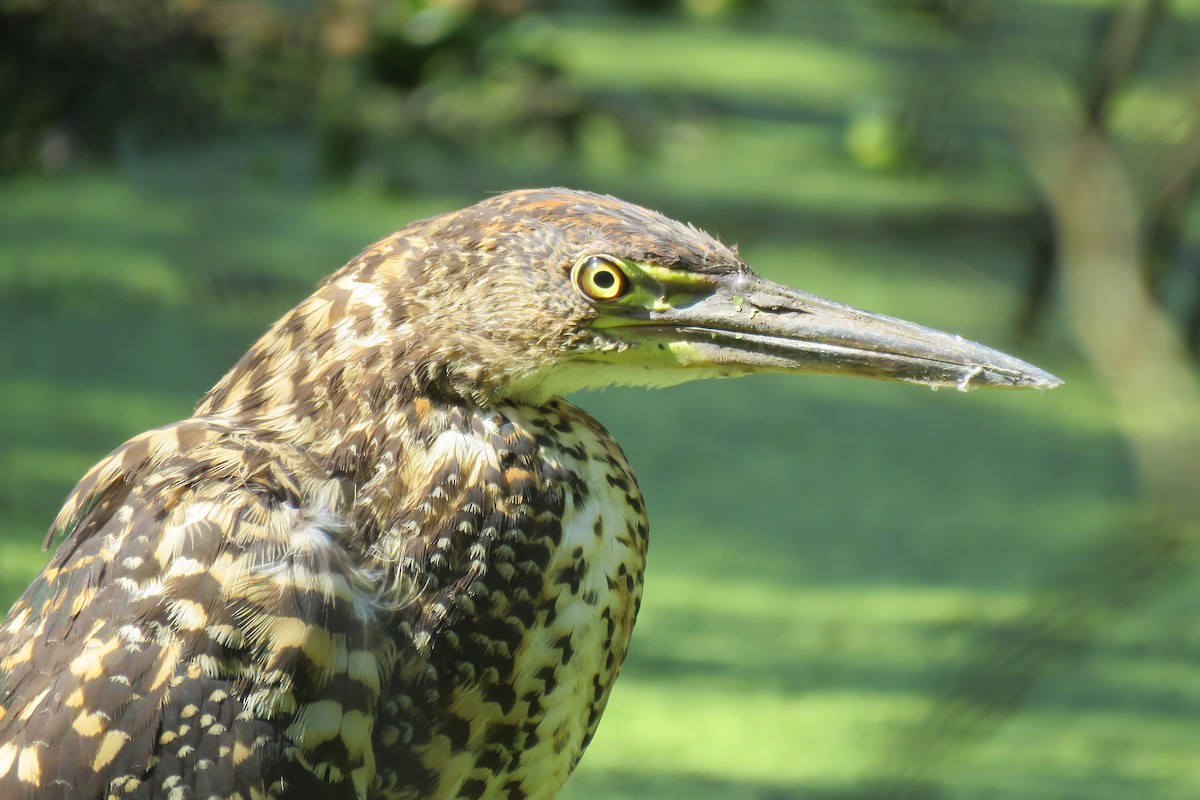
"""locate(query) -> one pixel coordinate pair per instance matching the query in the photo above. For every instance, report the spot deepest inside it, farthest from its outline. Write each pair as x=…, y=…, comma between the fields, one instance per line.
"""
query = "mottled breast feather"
x=522, y=546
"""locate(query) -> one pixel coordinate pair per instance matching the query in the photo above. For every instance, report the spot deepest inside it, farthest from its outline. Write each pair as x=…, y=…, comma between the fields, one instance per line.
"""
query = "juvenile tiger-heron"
x=385, y=559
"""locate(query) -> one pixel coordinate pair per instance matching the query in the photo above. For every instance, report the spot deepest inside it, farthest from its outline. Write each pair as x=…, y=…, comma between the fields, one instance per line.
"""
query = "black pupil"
x=604, y=279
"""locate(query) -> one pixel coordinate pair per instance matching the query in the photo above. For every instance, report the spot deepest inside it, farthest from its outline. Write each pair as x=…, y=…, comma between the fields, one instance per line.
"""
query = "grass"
x=828, y=555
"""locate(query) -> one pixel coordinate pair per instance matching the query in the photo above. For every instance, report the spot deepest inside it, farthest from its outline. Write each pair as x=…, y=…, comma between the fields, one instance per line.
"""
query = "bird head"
x=534, y=294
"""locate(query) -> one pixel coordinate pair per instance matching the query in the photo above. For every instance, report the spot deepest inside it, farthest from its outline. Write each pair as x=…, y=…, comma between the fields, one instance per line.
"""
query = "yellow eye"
x=600, y=278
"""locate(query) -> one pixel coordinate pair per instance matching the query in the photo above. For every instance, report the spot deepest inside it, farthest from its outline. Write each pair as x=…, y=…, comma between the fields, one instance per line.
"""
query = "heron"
x=385, y=559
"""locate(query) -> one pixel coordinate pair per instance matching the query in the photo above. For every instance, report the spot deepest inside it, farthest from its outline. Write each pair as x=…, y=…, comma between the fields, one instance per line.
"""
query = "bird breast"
x=517, y=549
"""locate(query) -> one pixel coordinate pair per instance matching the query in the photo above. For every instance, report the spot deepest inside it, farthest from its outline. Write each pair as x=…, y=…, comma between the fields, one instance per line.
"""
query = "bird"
x=385, y=559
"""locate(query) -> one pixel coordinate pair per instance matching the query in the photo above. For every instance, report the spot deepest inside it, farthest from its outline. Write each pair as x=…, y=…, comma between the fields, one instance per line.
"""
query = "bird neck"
x=336, y=383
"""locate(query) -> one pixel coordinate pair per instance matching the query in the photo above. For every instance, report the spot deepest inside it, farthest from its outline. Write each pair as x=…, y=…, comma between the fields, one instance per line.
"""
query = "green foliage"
x=88, y=77
x=76, y=74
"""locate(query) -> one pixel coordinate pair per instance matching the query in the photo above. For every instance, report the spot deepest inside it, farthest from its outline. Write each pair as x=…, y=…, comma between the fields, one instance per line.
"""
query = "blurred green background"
x=855, y=589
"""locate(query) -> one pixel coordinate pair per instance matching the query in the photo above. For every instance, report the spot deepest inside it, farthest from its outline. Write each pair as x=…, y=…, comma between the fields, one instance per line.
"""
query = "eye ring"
x=600, y=278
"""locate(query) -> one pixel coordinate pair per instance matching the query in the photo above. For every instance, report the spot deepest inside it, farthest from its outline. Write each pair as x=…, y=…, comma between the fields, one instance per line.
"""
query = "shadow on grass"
x=603, y=785
x=973, y=663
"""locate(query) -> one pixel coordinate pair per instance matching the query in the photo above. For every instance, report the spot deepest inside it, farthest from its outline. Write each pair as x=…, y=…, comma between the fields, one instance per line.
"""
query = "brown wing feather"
x=198, y=627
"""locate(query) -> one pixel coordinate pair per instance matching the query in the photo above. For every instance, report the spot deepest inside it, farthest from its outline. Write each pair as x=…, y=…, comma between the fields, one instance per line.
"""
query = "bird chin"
x=599, y=370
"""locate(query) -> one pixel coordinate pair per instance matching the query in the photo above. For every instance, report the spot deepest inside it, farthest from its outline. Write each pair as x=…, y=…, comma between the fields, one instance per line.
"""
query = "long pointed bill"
x=749, y=324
